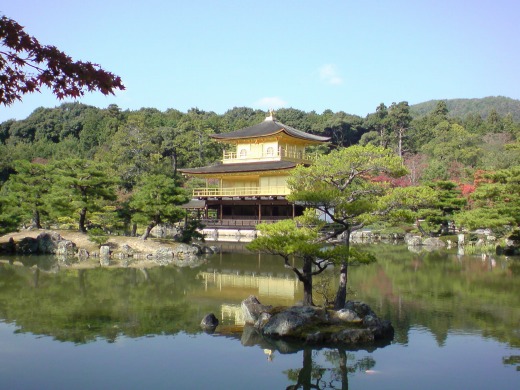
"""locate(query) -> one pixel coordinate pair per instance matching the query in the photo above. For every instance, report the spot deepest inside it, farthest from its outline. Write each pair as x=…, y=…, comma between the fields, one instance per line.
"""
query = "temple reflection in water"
x=273, y=289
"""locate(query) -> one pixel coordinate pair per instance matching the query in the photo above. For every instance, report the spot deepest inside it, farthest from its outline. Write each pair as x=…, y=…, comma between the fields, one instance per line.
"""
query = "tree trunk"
x=400, y=146
x=36, y=223
x=174, y=162
x=147, y=231
x=82, y=219
x=343, y=368
x=341, y=294
x=307, y=281
x=133, y=233
x=305, y=374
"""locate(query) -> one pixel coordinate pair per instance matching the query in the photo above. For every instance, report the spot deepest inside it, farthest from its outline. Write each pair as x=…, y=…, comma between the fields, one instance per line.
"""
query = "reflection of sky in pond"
x=456, y=319
x=205, y=361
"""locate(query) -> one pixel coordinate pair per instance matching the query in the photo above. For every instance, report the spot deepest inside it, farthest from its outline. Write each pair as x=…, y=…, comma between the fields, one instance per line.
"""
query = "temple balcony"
x=240, y=191
x=270, y=155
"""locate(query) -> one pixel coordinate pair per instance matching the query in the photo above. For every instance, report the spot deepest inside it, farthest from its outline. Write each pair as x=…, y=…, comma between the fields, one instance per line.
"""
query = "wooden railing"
x=240, y=191
x=239, y=222
x=280, y=154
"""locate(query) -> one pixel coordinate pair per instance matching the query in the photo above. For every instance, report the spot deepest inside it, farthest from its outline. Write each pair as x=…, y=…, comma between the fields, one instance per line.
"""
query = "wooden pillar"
x=293, y=211
x=221, y=212
x=259, y=211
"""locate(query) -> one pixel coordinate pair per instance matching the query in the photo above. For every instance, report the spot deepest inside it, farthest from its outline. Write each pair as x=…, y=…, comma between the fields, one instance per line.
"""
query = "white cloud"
x=270, y=102
x=329, y=74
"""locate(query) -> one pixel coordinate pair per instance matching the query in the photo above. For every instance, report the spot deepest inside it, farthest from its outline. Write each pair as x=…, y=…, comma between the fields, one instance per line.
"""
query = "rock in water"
x=209, y=322
x=252, y=309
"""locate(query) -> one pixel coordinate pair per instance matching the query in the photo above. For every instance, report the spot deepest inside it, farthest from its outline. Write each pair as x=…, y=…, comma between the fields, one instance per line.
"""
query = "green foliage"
x=285, y=238
x=156, y=199
x=481, y=107
x=150, y=142
x=339, y=184
x=407, y=203
x=190, y=231
x=10, y=219
x=451, y=142
x=81, y=186
x=495, y=202
x=27, y=191
x=97, y=235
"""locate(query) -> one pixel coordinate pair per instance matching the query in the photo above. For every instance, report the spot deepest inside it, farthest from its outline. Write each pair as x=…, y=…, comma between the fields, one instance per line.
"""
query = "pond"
x=456, y=319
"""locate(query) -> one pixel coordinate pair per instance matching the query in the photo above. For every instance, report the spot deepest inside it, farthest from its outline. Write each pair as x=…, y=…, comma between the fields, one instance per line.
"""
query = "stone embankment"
x=481, y=238
x=118, y=251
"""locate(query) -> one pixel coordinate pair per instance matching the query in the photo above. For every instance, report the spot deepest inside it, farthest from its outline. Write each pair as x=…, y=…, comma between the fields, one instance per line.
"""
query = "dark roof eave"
x=268, y=128
x=240, y=168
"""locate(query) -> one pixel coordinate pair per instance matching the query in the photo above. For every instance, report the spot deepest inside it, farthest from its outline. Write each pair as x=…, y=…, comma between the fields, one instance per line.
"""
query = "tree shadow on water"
x=323, y=366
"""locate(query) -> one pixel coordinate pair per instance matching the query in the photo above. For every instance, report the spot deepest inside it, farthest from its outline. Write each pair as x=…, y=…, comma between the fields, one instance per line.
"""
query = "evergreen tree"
x=26, y=190
x=82, y=186
x=495, y=202
x=155, y=200
x=341, y=186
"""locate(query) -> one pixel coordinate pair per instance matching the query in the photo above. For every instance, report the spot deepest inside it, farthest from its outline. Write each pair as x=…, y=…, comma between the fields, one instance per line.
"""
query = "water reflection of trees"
x=87, y=304
x=316, y=376
x=441, y=292
x=341, y=359
x=426, y=290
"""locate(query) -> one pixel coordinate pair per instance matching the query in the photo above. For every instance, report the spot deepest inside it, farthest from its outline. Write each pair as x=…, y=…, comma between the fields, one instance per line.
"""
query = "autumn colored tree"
x=26, y=66
x=495, y=202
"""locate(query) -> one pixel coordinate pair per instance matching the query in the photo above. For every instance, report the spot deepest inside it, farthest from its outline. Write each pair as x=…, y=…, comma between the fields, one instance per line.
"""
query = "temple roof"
x=268, y=127
x=240, y=168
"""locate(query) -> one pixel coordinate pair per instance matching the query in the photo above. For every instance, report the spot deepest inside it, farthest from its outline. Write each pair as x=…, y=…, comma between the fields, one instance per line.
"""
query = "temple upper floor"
x=267, y=151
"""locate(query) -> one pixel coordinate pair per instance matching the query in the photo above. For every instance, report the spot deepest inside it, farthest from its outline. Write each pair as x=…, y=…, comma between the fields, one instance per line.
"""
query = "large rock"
x=166, y=255
x=291, y=322
x=434, y=242
x=512, y=245
x=413, y=240
x=360, y=308
x=183, y=251
x=8, y=247
x=252, y=309
x=209, y=322
x=48, y=242
x=66, y=248
x=346, y=315
x=104, y=251
x=27, y=246
x=356, y=324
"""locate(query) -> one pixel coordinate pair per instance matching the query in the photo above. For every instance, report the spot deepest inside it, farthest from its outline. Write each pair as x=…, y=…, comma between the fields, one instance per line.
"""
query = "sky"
x=342, y=55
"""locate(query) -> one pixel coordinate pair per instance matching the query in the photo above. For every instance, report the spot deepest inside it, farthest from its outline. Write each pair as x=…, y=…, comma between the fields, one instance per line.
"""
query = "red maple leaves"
x=26, y=66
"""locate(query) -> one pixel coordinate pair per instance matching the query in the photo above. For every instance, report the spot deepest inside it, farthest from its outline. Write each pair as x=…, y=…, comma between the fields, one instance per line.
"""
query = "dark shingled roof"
x=269, y=127
x=240, y=168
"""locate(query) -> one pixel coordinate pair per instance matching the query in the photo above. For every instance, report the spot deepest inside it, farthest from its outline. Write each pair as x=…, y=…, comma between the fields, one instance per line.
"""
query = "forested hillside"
x=462, y=107
x=54, y=148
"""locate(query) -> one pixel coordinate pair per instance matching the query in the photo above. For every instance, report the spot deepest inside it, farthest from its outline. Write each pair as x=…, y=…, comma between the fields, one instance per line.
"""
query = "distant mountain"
x=462, y=107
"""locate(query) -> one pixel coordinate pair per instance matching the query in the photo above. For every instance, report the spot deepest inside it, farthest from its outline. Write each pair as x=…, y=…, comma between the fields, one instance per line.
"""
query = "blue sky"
x=311, y=55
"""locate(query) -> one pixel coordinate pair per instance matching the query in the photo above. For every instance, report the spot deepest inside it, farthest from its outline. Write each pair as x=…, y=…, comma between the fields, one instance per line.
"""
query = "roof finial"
x=271, y=115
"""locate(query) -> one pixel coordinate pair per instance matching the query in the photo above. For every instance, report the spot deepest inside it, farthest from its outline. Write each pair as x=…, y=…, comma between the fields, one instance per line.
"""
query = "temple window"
x=243, y=153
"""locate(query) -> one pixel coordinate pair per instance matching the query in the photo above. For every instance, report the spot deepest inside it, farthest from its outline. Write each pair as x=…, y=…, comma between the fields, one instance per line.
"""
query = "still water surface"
x=457, y=322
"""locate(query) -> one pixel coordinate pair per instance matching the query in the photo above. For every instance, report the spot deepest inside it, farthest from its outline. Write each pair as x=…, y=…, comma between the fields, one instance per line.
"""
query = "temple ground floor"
x=243, y=213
